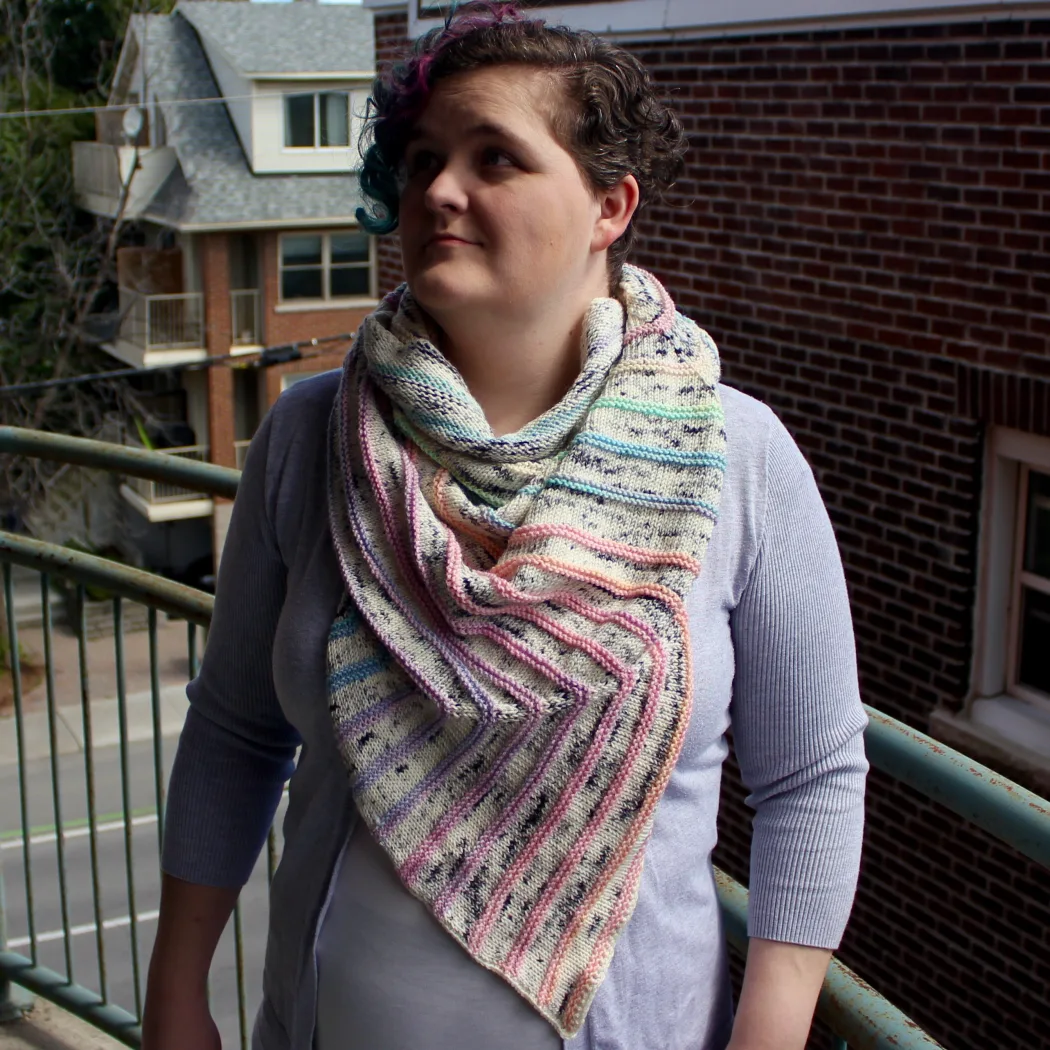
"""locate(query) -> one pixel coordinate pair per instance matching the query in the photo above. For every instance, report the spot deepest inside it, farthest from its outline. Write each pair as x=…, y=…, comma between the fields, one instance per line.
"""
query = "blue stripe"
x=651, y=452
x=357, y=672
x=345, y=627
x=644, y=499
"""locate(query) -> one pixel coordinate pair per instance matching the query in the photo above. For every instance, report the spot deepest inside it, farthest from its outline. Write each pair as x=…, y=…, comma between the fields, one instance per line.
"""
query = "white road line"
x=79, y=931
x=79, y=832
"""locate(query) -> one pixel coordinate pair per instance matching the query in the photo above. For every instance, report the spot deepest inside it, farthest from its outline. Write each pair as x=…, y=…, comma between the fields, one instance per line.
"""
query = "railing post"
x=12, y=1004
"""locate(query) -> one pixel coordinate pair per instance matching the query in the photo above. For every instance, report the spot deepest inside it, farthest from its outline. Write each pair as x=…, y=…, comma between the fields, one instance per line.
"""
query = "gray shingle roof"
x=213, y=185
x=287, y=38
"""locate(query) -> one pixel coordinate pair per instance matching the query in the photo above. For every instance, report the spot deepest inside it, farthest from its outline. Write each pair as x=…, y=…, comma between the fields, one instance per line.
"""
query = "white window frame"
x=1020, y=579
x=1002, y=720
x=317, y=147
x=326, y=302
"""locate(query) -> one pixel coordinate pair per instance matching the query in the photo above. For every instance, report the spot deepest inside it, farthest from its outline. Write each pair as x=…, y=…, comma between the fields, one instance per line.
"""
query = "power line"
x=120, y=107
x=278, y=354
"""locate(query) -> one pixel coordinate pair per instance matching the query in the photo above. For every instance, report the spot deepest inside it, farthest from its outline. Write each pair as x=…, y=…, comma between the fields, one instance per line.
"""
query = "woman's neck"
x=516, y=374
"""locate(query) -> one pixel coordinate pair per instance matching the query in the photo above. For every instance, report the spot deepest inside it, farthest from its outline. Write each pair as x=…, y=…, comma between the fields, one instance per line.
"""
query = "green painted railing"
x=858, y=1015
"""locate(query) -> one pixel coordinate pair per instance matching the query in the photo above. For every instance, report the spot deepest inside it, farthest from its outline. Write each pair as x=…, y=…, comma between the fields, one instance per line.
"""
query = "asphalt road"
x=113, y=882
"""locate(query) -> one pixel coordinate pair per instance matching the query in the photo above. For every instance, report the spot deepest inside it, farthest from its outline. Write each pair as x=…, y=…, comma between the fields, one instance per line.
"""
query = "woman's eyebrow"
x=483, y=128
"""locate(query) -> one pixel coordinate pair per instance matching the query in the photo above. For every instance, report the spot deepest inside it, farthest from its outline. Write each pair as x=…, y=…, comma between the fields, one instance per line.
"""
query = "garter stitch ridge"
x=509, y=677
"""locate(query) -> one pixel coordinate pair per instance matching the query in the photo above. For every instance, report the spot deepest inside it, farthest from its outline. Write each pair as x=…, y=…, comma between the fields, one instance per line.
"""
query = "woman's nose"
x=447, y=190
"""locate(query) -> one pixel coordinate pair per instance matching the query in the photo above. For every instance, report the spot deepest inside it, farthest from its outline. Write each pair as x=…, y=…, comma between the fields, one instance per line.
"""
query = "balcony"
x=105, y=918
x=102, y=171
x=160, y=329
x=163, y=500
x=245, y=319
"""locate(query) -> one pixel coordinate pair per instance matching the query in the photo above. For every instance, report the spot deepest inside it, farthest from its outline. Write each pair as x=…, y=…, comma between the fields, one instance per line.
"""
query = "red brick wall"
x=391, y=42
x=864, y=227
x=299, y=325
x=865, y=230
x=215, y=280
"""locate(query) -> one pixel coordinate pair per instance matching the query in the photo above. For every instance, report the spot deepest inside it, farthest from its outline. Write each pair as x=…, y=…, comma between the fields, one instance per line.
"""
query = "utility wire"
x=268, y=356
x=121, y=106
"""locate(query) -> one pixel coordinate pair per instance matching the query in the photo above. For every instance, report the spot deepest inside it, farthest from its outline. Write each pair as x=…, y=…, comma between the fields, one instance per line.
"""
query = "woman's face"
x=496, y=219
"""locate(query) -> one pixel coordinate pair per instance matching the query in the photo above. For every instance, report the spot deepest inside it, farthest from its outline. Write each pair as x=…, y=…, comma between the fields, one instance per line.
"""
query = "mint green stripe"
x=651, y=408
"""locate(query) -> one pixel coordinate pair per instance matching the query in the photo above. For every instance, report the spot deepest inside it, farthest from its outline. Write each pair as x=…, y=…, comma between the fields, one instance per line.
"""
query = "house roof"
x=284, y=39
x=213, y=185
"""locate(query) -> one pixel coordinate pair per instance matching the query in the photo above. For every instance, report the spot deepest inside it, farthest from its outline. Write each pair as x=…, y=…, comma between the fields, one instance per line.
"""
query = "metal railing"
x=164, y=322
x=857, y=1014
x=246, y=317
x=165, y=491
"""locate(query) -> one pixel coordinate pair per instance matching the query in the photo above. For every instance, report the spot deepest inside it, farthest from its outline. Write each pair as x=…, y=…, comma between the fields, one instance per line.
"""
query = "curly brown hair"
x=615, y=124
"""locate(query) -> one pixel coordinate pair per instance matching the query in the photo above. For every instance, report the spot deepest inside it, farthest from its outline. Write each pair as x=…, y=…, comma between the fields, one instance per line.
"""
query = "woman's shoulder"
x=298, y=421
x=306, y=403
x=750, y=429
x=292, y=465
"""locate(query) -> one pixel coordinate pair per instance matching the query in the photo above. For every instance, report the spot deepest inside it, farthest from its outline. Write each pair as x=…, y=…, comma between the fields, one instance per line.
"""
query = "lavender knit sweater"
x=353, y=961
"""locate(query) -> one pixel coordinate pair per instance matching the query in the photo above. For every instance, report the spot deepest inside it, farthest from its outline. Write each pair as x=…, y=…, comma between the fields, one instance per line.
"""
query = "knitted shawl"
x=509, y=676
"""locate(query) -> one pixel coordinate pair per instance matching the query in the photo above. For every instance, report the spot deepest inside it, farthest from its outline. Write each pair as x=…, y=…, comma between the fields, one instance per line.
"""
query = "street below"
x=116, y=974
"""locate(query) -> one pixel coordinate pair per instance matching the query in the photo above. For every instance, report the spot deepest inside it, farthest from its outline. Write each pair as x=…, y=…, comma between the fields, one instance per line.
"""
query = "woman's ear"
x=618, y=205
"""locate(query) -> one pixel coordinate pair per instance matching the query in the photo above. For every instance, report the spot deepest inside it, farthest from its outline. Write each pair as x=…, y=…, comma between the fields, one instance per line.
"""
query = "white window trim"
x=317, y=147
x=325, y=303
x=999, y=713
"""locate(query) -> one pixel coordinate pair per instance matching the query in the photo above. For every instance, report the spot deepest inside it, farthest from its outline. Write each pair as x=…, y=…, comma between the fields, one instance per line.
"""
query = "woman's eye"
x=495, y=157
x=421, y=160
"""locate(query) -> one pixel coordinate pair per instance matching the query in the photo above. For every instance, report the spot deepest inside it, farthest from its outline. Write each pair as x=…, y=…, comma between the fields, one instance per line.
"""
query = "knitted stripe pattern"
x=509, y=677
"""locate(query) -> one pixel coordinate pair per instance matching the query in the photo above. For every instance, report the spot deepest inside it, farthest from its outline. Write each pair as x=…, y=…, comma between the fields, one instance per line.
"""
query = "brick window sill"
x=1010, y=735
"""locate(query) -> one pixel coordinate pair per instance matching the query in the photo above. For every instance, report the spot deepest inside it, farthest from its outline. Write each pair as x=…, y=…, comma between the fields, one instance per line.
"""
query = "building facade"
x=228, y=158
x=864, y=228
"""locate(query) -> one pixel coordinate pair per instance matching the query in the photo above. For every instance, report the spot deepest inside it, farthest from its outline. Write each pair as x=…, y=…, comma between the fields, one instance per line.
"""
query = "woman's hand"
x=171, y=1025
x=781, y=985
x=191, y=921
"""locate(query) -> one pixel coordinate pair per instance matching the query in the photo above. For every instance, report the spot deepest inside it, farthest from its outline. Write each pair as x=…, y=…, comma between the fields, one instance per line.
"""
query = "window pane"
x=349, y=280
x=301, y=250
x=1035, y=640
x=299, y=120
x=1037, y=530
x=335, y=119
x=301, y=284
x=349, y=247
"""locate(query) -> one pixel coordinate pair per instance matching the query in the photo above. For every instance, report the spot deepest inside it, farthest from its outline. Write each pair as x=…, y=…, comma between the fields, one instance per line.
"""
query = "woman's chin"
x=444, y=293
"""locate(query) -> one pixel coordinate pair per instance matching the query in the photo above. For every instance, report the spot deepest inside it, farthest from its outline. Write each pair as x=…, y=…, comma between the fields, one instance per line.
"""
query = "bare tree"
x=57, y=263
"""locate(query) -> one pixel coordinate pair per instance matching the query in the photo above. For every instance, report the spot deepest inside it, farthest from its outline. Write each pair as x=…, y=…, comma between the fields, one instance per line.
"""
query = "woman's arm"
x=192, y=919
x=781, y=985
x=798, y=733
x=235, y=752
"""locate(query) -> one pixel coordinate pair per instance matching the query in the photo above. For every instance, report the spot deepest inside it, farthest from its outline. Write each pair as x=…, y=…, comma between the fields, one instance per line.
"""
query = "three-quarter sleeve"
x=797, y=716
x=236, y=749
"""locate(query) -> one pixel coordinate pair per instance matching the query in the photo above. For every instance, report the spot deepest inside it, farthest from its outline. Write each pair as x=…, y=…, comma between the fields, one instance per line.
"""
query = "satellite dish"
x=133, y=123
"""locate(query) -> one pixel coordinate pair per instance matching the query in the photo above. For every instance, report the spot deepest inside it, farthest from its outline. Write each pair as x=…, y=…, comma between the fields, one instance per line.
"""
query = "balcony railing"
x=246, y=317
x=163, y=322
x=165, y=491
x=109, y=989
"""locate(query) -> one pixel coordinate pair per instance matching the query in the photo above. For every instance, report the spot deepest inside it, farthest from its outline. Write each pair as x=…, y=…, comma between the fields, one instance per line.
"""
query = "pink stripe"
x=523, y=612
x=655, y=793
x=639, y=737
x=640, y=555
x=659, y=325
x=591, y=974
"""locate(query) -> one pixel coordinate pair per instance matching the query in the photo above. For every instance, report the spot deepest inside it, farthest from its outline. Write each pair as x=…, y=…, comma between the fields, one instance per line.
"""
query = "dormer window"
x=318, y=120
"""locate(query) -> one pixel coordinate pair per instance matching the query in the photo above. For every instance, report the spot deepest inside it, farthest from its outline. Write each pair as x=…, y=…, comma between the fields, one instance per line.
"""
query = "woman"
x=465, y=576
